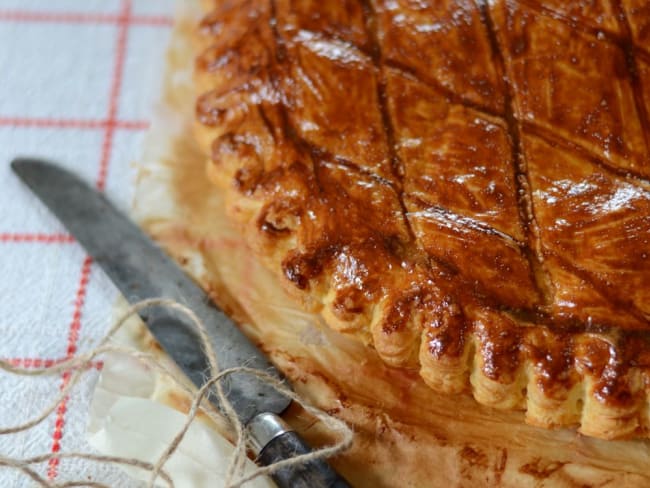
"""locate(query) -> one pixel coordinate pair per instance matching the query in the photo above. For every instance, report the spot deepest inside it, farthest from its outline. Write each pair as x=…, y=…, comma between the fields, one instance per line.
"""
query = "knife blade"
x=141, y=270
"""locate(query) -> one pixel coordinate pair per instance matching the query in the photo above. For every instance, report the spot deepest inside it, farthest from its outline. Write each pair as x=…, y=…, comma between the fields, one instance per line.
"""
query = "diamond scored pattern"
x=459, y=182
x=601, y=219
x=449, y=192
x=571, y=100
x=329, y=68
x=329, y=79
x=443, y=42
x=443, y=145
x=600, y=225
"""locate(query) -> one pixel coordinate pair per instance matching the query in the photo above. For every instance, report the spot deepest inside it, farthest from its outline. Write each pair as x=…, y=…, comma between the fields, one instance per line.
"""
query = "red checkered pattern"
x=78, y=91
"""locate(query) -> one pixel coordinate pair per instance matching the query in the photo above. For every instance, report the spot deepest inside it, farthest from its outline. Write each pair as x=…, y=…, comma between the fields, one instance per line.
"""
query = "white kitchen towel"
x=78, y=83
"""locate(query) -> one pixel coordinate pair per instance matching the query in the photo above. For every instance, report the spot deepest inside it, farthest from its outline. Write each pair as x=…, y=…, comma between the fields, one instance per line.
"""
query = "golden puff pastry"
x=463, y=186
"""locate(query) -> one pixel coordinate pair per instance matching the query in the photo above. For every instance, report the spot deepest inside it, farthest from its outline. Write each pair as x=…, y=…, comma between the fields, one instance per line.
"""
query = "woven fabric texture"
x=78, y=87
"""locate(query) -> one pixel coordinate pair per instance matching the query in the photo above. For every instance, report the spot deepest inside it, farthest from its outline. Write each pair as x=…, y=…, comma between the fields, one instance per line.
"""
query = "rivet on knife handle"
x=273, y=441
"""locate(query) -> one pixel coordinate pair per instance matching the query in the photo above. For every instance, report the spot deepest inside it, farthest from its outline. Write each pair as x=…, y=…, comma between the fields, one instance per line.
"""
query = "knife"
x=141, y=270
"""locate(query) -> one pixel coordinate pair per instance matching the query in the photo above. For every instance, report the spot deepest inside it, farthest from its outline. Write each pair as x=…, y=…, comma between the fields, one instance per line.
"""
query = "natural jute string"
x=235, y=473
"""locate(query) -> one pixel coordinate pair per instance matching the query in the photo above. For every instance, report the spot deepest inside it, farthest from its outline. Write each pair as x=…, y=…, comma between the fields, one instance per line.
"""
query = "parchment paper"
x=136, y=413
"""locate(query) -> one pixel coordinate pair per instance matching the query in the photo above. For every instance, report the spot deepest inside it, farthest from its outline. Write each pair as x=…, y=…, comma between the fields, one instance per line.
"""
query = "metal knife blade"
x=140, y=270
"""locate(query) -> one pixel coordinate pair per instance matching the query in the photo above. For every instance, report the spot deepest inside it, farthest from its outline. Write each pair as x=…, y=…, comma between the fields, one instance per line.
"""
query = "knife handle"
x=275, y=442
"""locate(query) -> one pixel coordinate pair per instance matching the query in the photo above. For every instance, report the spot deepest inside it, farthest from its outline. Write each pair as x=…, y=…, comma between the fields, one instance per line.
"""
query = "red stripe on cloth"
x=75, y=326
x=73, y=337
x=36, y=237
x=37, y=363
x=82, y=18
x=114, y=97
x=59, y=423
x=73, y=123
x=154, y=20
x=32, y=362
x=131, y=125
x=107, y=146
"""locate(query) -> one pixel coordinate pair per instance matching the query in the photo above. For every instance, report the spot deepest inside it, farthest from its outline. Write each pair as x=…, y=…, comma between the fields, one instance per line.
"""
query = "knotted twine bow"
x=235, y=476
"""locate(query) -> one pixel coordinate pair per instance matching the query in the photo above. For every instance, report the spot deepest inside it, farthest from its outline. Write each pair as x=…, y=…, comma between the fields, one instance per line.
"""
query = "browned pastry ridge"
x=464, y=186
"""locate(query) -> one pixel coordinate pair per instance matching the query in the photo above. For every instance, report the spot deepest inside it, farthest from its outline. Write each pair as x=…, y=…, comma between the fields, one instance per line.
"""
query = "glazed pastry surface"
x=465, y=186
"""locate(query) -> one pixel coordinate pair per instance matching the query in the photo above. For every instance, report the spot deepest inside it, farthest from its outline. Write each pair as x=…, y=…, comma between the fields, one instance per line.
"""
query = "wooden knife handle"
x=312, y=474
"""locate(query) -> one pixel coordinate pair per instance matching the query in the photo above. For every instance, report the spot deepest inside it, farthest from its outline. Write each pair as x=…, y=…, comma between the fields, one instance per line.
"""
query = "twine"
x=235, y=476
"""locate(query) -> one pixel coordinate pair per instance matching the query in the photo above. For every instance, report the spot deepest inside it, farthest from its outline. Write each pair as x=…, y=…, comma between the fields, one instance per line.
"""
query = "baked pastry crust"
x=464, y=187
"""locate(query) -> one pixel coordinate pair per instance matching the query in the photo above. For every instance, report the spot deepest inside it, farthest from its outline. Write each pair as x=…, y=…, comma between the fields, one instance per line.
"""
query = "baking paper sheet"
x=132, y=416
